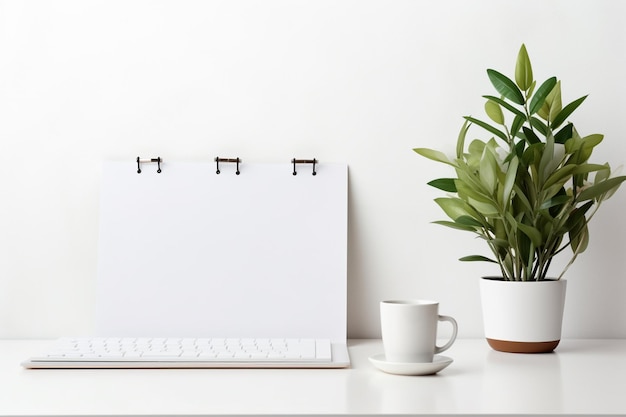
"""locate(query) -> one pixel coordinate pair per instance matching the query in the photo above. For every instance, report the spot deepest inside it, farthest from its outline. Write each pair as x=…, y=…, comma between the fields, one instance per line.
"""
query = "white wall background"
x=357, y=81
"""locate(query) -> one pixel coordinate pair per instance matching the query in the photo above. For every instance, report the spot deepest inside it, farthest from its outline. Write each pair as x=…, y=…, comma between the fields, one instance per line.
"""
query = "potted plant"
x=529, y=191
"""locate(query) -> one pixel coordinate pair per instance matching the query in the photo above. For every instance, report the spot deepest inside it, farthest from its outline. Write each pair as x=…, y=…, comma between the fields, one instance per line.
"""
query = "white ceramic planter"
x=522, y=316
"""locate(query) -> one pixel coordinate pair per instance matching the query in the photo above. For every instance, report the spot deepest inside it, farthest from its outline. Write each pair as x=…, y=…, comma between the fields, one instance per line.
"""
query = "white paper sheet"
x=189, y=253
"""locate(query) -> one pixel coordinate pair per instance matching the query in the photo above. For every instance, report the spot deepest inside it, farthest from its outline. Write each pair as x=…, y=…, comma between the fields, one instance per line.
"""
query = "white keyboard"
x=183, y=353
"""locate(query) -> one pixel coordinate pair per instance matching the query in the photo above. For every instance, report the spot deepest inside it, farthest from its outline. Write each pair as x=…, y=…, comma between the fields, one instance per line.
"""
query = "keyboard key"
x=307, y=348
x=161, y=354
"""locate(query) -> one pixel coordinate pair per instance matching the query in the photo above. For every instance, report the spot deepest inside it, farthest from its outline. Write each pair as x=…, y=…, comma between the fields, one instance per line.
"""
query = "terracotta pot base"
x=522, y=347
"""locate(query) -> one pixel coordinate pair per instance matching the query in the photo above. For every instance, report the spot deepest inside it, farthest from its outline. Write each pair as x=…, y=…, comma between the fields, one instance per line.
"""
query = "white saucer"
x=400, y=368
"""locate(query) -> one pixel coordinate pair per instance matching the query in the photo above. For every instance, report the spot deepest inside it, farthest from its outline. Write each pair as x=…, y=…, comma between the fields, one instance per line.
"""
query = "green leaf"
x=509, y=180
x=445, y=184
x=533, y=234
x=496, y=242
x=539, y=125
x=518, y=151
x=531, y=137
x=506, y=87
x=507, y=106
x=551, y=192
x=574, y=144
x=477, y=258
x=476, y=148
x=523, y=249
x=559, y=175
x=586, y=146
x=517, y=124
x=483, y=207
x=467, y=180
x=554, y=201
x=579, y=238
x=521, y=197
x=500, y=243
x=566, y=112
x=591, y=141
x=434, y=155
x=577, y=215
x=554, y=99
x=532, y=154
x=564, y=134
x=601, y=188
x=469, y=221
x=552, y=104
x=602, y=175
x=455, y=225
x=547, y=159
x=531, y=89
x=460, y=143
x=473, y=189
x=494, y=111
x=488, y=170
x=540, y=95
x=511, y=221
x=587, y=168
x=519, y=148
x=523, y=70
x=487, y=126
x=454, y=207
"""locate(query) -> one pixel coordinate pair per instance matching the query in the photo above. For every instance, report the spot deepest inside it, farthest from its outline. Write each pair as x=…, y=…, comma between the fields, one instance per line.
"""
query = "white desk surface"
x=582, y=377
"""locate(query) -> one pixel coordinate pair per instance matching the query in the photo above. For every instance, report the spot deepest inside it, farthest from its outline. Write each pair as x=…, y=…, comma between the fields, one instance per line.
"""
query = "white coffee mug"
x=409, y=330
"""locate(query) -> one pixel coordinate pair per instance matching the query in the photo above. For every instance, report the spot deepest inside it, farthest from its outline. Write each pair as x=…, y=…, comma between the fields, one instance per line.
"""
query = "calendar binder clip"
x=218, y=160
x=140, y=161
x=295, y=161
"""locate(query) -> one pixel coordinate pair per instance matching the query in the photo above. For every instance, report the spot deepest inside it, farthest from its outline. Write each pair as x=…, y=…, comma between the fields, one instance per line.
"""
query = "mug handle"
x=439, y=349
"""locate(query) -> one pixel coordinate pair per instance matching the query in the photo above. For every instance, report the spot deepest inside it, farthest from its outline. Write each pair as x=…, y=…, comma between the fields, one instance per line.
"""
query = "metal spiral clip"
x=218, y=160
x=140, y=161
x=295, y=161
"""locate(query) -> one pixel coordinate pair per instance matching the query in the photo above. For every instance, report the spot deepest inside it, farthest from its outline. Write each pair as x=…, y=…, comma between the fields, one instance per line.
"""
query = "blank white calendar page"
x=190, y=253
